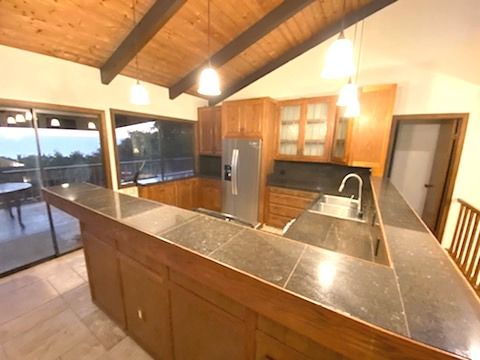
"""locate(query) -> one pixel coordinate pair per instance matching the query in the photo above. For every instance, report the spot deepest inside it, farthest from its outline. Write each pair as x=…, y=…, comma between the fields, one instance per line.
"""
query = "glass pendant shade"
x=348, y=94
x=339, y=60
x=352, y=109
x=91, y=125
x=28, y=116
x=209, y=83
x=11, y=120
x=139, y=94
x=20, y=118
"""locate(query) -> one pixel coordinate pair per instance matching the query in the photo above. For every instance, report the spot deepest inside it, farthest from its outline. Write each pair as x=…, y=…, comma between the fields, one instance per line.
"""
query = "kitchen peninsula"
x=246, y=294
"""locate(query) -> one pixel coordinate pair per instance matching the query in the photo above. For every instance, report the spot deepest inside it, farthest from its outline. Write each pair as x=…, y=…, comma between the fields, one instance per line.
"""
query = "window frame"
x=114, y=112
x=102, y=129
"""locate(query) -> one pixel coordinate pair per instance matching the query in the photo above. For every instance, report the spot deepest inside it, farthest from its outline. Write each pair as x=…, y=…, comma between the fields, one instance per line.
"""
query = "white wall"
x=34, y=77
x=430, y=48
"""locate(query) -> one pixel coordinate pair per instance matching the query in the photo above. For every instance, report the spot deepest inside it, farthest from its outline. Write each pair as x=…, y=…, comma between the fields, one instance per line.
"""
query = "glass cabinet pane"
x=316, y=126
x=289, y=129
x=340, y=138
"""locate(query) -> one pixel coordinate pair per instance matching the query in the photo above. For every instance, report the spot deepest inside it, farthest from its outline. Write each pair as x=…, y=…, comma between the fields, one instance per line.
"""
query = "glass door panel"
x=340, y=138
x=316, y=126
x=25, y=231
x=289, y=129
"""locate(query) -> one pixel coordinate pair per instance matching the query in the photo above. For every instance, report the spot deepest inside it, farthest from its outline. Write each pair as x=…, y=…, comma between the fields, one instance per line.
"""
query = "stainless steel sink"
x=339, y=207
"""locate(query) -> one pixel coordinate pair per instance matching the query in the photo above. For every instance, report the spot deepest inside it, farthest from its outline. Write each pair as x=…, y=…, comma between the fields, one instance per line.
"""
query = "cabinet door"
x=231, y=120
x=289, y=129
x=319, y=121
x=217, y=130
x=206, y=131
x=251, y=118
x=165, y=193
x=147, y=307
x=203, y=331
x=186, y=191
x=269, y=348
x=104, y=276
x=371, y=130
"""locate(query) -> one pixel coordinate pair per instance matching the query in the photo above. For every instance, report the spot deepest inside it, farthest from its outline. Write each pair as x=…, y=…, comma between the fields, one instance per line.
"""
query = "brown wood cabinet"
x=147, y=307
x=204, y=331
x=283, y=205
x=210, y=194
x=182, y=193
x=245, y=118
x=305, y=129
x=363, y=141
x=210, y=130
x=103, y=273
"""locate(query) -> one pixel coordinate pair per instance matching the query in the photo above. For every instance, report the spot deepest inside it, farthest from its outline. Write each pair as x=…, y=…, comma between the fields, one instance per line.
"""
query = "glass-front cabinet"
x=306, y=129
x=341, y=138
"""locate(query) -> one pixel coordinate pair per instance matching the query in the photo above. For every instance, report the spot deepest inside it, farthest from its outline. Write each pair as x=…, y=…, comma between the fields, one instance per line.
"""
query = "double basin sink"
x=339, y=207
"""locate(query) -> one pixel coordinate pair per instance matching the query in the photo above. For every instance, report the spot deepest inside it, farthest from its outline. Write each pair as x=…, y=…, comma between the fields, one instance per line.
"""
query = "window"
x=152, y=149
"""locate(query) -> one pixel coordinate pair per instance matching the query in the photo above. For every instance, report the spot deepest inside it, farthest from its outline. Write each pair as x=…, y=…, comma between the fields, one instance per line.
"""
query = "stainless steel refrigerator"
x=241, y=178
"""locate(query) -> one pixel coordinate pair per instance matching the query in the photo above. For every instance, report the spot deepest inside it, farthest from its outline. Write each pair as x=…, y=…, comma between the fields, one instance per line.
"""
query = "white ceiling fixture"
x=91, y=125
x=339, y=61
x=28, y=115
x=55, y=122
x=19, y=118
x=209, y=81
x=11, y=120
x=138, y=93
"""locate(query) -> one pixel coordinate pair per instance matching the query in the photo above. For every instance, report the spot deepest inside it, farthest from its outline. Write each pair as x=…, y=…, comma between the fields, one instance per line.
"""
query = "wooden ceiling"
x=89, y=32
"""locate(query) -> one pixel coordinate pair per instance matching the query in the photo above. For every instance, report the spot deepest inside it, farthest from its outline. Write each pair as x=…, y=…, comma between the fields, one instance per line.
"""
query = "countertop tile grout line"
x=397, y=283
x=226, y=242
x=295, y=266
x=174, y=227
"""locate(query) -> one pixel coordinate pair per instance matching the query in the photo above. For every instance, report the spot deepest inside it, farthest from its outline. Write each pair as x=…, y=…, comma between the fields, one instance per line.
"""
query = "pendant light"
x=54, y=122
x=339, y=61
x=11, y=120
x=138, y=93
x=20, y=118
x=209, y=82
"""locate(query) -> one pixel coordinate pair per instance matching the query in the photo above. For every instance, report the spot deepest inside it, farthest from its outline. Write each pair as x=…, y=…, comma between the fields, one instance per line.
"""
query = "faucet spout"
x=360, y=187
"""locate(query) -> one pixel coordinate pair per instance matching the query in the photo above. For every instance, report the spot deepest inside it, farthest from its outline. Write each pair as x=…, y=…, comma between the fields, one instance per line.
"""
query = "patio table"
x=12, y=193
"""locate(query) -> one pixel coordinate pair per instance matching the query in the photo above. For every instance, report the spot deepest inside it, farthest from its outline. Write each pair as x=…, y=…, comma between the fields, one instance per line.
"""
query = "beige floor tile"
x=21, y=324
x=25, y=299
x=16, y=281
x=49, y=339
x=3, y=356
x=81, y=269
x=104, y=329
x=73, y=259
x=80, y=300
x=88, y=349
x=126, y=349
x=65, y=280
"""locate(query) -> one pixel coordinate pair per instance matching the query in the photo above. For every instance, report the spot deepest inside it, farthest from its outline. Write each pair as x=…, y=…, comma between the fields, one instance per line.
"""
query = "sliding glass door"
x=42, y=147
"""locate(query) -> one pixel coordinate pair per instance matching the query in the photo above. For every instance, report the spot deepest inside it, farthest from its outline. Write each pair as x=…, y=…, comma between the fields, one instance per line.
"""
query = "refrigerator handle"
x=235, y=172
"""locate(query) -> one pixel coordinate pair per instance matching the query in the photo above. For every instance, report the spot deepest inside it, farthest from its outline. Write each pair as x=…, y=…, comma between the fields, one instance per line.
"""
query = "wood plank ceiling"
x=88, y=32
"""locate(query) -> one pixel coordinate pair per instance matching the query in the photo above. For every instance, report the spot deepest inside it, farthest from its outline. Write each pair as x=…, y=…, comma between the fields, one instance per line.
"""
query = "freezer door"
x=244, y=187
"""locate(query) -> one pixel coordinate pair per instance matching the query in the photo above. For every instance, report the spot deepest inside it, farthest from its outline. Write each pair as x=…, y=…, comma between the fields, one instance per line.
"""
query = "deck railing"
x=465, y=247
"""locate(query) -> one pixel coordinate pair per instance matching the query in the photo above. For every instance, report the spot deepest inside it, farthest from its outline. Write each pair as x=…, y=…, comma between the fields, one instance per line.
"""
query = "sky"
x=21, y=141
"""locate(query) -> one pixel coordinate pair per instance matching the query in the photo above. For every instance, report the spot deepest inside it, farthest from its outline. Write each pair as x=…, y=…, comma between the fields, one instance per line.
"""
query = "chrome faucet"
x=360, y=185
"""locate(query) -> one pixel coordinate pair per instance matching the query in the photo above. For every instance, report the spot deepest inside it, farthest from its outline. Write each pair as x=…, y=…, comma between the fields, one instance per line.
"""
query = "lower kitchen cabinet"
x=147, y=307
x=283, y=205
x=103, y=274
x=269, y=348
x=210, y=194
x=181, y=193
x=203, y=331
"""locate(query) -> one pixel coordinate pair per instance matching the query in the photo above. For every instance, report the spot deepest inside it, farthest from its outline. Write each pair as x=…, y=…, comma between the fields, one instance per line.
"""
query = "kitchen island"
x=188, y=286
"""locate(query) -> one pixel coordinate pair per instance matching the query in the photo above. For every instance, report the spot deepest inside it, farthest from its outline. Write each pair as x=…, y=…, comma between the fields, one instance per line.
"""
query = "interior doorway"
x=423, y=161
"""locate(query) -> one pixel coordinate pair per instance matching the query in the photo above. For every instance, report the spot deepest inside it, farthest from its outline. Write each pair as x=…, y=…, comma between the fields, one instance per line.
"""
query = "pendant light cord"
x=344, y=13
x=359, y=51
x=208, y=33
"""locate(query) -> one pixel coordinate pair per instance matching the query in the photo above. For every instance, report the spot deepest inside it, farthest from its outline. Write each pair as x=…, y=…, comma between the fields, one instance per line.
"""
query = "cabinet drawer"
x=291, y=192
x=269, y=348
x=290, y=201
x=277, y=220
x=284, y=211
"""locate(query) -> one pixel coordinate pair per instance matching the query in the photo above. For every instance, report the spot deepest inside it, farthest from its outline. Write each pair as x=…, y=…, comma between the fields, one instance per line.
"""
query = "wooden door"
x=206, y=130
x=104, y=276
x=186, y=191
x=371, y=130
x=210, y=192
x=147, y=307
x=202, y=330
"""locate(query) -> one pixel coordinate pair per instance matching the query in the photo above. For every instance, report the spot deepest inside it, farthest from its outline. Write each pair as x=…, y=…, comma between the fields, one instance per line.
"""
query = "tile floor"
x=46, y=313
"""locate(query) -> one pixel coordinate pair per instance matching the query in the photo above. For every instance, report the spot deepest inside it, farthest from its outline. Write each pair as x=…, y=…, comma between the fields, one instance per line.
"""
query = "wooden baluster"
x=471, y=241
x=465, y=237
x=456, y=235
x=466, y=213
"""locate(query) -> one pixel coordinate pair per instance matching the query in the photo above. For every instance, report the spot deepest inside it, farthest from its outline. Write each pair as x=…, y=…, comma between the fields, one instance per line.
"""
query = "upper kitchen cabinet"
x=210, y=130
x=363, y=141
x=305, y=128
x=246, y=118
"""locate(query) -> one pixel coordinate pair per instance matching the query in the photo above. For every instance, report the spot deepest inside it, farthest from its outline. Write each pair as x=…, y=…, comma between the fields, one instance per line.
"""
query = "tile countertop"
x=422, y=296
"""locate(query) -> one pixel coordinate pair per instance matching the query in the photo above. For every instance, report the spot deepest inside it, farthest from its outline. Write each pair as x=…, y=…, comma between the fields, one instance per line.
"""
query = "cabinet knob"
x=140, y=314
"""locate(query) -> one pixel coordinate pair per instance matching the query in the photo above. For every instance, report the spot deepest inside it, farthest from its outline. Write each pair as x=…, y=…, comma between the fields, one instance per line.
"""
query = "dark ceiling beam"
x=160, y=12
x=273, y=19
x=324, y=34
